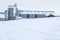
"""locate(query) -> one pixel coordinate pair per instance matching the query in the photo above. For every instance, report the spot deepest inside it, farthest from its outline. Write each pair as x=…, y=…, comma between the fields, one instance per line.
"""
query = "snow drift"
x=31, y=29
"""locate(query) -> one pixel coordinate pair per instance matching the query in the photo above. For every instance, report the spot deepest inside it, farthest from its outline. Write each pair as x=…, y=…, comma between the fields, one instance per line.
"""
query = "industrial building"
x=12, y=13
x=34, y=14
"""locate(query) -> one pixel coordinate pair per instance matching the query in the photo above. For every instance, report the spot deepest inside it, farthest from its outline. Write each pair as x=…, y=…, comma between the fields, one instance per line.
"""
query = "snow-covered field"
x=31, y=29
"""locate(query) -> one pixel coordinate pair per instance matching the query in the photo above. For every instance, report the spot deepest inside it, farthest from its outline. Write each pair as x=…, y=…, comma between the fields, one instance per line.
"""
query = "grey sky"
x=32, y=4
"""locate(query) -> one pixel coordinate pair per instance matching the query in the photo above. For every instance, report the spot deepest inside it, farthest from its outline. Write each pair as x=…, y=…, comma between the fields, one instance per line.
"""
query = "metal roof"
x=33, y=12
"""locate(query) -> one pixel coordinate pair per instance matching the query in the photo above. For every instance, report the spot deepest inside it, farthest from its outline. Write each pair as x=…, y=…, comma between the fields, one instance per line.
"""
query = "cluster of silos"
x=10, y=13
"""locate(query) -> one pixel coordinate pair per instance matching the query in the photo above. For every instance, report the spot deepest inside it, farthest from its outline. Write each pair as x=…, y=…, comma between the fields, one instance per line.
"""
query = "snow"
x=36, y=12
x=2, y=16
x=31, y=29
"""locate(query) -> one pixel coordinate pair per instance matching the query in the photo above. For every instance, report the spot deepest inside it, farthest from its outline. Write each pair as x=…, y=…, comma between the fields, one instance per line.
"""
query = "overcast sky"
x=32, y=4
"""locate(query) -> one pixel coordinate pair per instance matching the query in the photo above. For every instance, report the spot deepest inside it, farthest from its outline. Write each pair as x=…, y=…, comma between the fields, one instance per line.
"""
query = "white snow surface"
x=31, y=29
